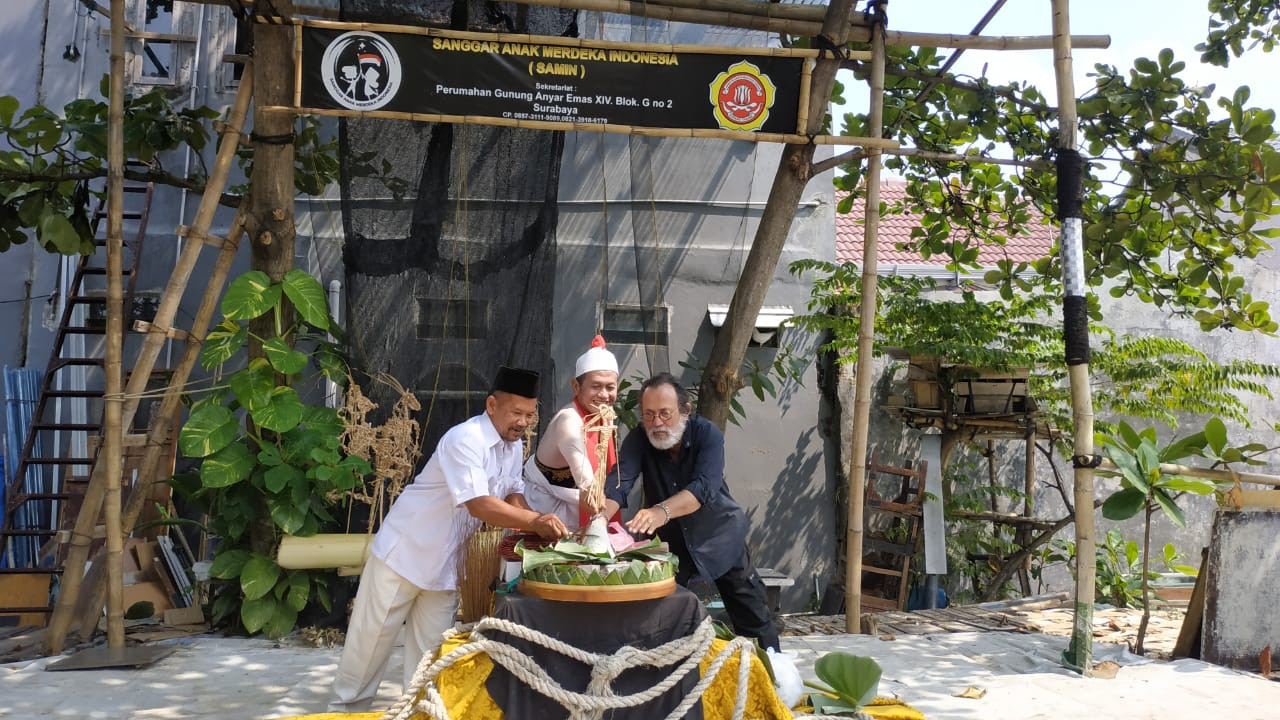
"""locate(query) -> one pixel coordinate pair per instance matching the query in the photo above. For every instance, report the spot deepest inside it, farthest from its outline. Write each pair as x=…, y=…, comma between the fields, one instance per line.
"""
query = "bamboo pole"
x=526, y=39
x=983, y=42
x=1222, y=476
x=787, y=19
x=866, y=340
x=806, y=84
x=886, y=144
x=161, y=429
x=1076, y=338
x=78, y=550
x=807, y=13
x=639, y=8
x=111, y=457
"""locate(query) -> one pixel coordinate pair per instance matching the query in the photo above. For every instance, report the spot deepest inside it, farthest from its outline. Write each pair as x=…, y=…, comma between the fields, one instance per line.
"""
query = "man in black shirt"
x=681, y=457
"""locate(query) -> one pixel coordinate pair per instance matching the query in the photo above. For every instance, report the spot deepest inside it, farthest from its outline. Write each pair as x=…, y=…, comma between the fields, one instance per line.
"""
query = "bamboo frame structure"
x=161, y=428
x=78, y=551
x=111, y=455
x=785, y=138
x=866, y=341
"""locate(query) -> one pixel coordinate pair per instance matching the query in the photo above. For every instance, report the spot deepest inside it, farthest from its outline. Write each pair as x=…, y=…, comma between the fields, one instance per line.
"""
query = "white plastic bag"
x=789, y=684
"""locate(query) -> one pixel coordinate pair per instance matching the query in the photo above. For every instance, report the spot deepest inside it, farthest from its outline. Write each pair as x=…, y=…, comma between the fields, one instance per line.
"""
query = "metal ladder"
x=59, y=452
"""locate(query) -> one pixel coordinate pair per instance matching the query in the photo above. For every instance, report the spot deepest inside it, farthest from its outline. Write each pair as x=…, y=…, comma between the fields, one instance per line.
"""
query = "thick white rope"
x=423, y=695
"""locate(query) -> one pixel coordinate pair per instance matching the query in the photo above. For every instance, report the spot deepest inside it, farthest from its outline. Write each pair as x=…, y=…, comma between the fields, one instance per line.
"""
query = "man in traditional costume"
x=577, y=454
x=411, y=577
x=681, y=457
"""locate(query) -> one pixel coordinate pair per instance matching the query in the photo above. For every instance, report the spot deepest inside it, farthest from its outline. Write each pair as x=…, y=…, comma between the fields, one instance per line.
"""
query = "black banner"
x=355, y=71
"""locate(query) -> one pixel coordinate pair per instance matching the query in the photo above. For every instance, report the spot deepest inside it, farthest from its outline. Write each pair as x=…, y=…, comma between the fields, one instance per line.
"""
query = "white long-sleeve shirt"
x=422, y=537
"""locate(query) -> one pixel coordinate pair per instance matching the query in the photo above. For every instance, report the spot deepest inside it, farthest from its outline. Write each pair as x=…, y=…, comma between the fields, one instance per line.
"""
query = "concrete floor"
x=238, y=678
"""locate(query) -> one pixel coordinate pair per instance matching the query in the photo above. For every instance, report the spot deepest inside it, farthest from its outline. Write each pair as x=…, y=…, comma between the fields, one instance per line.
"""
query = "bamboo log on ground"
x=326, y=550
x=78, y=550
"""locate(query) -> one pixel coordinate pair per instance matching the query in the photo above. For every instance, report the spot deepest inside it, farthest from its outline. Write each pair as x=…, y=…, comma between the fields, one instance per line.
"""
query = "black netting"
x=457, y=276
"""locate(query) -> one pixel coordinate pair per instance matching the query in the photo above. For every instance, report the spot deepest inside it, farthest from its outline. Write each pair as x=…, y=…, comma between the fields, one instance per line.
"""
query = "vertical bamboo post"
x=161, y=428
x=1075, y=337
x=866, y=338
x=112, y=399
x=78, y=550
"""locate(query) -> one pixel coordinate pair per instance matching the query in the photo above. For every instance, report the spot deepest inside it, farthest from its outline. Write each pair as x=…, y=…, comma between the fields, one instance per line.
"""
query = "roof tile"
x=895, y=246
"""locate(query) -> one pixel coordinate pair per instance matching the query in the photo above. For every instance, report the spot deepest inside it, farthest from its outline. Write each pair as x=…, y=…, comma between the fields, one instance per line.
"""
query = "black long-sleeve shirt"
x=714, y=534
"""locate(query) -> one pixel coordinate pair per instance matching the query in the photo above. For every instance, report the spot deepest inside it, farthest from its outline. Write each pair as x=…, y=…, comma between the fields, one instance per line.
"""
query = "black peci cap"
x=517, y=382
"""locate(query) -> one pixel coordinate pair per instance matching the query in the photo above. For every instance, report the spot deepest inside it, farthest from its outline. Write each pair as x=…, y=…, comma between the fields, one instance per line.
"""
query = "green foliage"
x=1143, y=484
x=1118, y=566
x=851, y=682
x=50, y=159
x=47, y=173
x=270, y=464
x=1148, y=378
x=763, y=379
x=1180, y=198
x=1233, y=22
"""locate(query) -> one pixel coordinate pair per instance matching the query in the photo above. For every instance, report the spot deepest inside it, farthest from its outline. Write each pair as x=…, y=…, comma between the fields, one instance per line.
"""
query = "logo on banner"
x=361, y=70
x=741, y=97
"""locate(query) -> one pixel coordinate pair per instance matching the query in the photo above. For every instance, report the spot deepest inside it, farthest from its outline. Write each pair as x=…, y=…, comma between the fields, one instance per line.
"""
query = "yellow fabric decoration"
x=762, y=700
x=462, y=683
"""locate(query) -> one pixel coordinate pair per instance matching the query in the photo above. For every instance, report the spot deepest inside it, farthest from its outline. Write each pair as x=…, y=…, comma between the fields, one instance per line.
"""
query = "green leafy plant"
x=269, y=463
x=851, y=682
x=764, y=379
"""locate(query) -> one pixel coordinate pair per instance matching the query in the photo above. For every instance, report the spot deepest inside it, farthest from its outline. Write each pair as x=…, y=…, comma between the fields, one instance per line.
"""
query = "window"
x=239, y=47
x=636, y=324
x=768, y=323
x=439, y=319
x=160, y=46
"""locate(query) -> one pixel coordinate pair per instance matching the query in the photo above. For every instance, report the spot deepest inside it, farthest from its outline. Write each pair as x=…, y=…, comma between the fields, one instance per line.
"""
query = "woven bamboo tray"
x=598, y=593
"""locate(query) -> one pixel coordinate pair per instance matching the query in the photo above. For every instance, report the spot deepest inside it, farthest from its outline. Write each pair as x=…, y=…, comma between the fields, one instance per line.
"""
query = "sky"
x=1138, y=28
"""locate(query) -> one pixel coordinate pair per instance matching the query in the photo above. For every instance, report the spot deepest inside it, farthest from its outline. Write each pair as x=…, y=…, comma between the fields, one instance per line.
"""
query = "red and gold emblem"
x=741, y=97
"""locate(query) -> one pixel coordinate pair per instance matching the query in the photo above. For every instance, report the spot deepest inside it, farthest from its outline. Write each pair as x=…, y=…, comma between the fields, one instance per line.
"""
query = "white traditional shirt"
x=426, y=531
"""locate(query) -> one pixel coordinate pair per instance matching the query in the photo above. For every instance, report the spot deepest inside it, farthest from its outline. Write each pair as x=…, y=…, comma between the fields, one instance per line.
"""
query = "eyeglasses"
x=664, y=415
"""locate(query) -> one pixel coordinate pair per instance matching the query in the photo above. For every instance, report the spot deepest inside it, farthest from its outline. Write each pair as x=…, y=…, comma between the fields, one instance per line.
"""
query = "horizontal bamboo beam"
x=1223, y=476
x=983, y=42
x=722, y=18
x=778, y=21
x=786, y=138
x=808, y=13
x=570, y=42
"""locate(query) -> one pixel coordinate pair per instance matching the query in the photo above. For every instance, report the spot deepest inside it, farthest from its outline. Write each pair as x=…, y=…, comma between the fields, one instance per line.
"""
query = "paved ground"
x=1018, y=674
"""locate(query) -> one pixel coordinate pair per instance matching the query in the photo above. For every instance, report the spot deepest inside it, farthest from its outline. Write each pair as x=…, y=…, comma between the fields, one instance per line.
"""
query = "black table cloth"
x=598, y=628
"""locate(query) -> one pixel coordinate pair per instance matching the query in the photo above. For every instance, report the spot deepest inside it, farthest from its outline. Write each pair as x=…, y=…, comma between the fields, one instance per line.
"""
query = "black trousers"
x=744, y=597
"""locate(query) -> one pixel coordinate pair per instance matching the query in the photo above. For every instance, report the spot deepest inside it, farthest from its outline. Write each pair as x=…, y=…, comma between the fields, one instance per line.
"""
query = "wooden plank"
x=25, y=590
x=1188, y=642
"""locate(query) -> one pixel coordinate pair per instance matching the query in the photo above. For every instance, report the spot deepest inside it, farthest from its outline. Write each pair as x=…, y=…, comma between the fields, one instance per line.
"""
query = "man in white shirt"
x=411, y=577
x=560, y=476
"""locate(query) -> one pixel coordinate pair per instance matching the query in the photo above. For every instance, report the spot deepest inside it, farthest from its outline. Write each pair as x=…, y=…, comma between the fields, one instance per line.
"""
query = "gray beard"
x=674, y=433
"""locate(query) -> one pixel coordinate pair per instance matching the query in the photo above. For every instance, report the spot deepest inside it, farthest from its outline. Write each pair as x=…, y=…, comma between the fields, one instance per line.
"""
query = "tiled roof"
x=895, y=235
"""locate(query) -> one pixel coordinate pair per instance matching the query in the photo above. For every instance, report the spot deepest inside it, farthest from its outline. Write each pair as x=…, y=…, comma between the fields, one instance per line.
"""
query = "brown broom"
x=479, y=573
